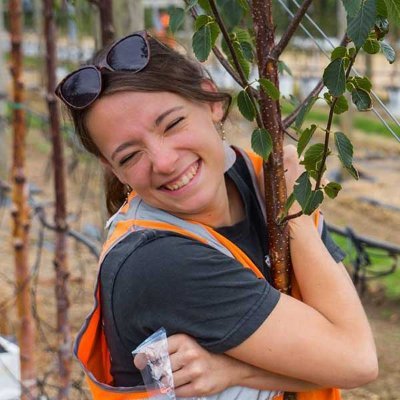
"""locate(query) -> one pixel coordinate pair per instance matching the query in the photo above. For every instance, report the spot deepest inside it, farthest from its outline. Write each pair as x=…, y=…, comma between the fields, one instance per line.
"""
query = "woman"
x=187, y=245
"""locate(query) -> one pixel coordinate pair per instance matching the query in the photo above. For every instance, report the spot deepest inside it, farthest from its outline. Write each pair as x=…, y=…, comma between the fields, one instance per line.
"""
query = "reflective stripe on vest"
x=90, y=345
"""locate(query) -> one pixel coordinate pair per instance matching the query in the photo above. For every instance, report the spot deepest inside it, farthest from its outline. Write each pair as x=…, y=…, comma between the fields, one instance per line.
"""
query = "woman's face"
x=166, y=148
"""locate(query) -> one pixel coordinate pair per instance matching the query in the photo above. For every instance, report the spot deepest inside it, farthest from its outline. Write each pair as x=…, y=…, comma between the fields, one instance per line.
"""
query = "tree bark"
x=60, y=256
x=21, y=211
x=274, y=174
x=106, y=21
x=3, y=94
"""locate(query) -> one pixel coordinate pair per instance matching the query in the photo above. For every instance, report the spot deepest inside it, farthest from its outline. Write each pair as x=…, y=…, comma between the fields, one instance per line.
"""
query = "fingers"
x=140, y=361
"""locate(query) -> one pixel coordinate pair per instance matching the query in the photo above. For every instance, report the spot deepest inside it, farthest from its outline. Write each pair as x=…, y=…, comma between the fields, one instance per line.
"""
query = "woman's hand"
x=293, y=168
x=197, y=372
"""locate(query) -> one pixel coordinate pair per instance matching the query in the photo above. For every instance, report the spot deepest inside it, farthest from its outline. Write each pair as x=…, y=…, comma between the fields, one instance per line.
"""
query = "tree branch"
x=292, y=117
x=245, y=83
x=328, y=128
x=289, y=32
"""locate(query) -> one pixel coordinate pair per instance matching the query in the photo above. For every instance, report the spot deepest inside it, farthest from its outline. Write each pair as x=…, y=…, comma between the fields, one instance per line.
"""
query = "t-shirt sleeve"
x=336, y=252
x=188, y=287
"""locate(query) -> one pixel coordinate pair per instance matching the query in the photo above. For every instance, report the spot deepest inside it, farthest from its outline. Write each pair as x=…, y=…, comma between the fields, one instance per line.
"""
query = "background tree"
x=60, y=216
x=21, y=210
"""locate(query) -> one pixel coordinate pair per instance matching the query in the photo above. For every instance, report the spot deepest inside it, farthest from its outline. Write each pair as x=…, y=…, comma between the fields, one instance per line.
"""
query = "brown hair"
x=167, y=71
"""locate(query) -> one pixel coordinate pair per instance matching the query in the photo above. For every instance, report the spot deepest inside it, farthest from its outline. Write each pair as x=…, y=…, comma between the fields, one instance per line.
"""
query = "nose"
x=164, y=160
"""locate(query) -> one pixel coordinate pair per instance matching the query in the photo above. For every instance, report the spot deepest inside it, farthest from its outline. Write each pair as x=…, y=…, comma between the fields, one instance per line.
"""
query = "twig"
x=245, y=83
x=292, y=117
x=289, y=32
x=328, y=127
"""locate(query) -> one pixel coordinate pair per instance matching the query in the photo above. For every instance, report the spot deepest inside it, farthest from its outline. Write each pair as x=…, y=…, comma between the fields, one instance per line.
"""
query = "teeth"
x=185, y=179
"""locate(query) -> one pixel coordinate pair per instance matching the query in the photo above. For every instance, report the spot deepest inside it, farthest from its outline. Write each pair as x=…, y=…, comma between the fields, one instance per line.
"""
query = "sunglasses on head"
x=82, y=87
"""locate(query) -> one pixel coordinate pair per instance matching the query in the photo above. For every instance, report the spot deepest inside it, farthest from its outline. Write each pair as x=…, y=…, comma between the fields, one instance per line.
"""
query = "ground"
x=378, y=160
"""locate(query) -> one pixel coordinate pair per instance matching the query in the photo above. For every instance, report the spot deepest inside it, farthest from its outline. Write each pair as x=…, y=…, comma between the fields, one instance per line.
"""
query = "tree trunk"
x=106, y=21
x=130, y=16
x=60, y=256
x=275, y=188
x=21, y=211
x=4, y=78
x=274, y=175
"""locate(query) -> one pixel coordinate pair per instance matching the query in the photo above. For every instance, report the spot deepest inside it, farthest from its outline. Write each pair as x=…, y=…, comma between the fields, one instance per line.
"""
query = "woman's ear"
x=217, y=107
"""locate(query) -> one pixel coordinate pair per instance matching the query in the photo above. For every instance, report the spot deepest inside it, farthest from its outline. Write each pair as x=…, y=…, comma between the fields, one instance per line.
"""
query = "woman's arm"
x=197, y=372
x=327, y=339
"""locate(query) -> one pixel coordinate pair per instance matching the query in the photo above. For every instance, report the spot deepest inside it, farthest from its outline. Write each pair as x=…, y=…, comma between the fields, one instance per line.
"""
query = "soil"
x=378, y=160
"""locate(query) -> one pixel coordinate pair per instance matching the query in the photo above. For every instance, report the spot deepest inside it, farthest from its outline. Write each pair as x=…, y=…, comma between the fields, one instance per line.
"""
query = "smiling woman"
x=187, y=245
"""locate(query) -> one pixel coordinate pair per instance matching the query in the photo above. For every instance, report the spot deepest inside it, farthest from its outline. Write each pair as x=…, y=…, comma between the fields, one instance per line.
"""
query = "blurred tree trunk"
x=4, y=79
x=107, y=30
x=60, y=256
x=129, y=16
x=21, y=211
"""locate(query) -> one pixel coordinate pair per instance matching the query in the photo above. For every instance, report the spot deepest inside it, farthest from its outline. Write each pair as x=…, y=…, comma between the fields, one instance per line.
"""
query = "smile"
x=184, y=179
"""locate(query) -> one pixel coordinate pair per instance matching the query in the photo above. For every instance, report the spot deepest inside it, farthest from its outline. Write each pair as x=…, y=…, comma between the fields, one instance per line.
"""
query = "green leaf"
x=205, y=5
x=362, y=83
x=244, y=4
x=315, y=199
x=269, y=88
x=372, y=46
x=389, y=52
x=247, y=51
x=338, y=52
x=177, y=16
x=304, y=111
x=261, y=142
x=245, y=65
x=341, y=105
x=289, y=202
x=246, y=106
x=381, y=9
x=345, y=153
x=313, y=157
x=305, y=138
x=201, y=43
x=352, y=7
x=344, y=148
x=381, y=27
x=201, y=20
x=215, y=31
x=242, y=35
x=282, y=67
x=393, y=10
x=334, y=77
x=230, y=12
x=362, y=99
x=359, y=26
x=332, y=189
x=302, y=189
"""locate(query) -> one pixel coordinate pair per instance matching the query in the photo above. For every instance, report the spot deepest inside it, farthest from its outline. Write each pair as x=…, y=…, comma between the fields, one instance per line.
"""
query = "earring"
x=222, y=130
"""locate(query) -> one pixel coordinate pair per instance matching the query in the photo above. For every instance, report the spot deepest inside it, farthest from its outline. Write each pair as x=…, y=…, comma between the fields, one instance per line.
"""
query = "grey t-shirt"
x=185, y=286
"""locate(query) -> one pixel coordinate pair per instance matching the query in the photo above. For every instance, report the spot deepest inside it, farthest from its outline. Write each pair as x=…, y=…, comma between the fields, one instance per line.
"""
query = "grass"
x=380, y=262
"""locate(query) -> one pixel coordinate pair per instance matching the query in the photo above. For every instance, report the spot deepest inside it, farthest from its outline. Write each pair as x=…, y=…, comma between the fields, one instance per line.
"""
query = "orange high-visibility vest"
x=91, y=346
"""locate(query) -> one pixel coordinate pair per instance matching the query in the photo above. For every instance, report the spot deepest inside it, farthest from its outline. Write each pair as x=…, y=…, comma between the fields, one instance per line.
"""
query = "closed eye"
x=174, y=123
x=124, y=160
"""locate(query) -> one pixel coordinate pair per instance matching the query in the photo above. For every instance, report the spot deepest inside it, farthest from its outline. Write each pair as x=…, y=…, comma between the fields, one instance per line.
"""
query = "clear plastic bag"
x=157, y=372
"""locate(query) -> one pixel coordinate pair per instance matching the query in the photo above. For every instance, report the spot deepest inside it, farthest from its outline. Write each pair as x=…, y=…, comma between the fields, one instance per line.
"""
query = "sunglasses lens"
x=130, y=54
x=82, y=87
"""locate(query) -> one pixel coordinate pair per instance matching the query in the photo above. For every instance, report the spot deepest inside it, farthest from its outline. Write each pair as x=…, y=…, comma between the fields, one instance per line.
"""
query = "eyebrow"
x=158, y=121
x=160, y=118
